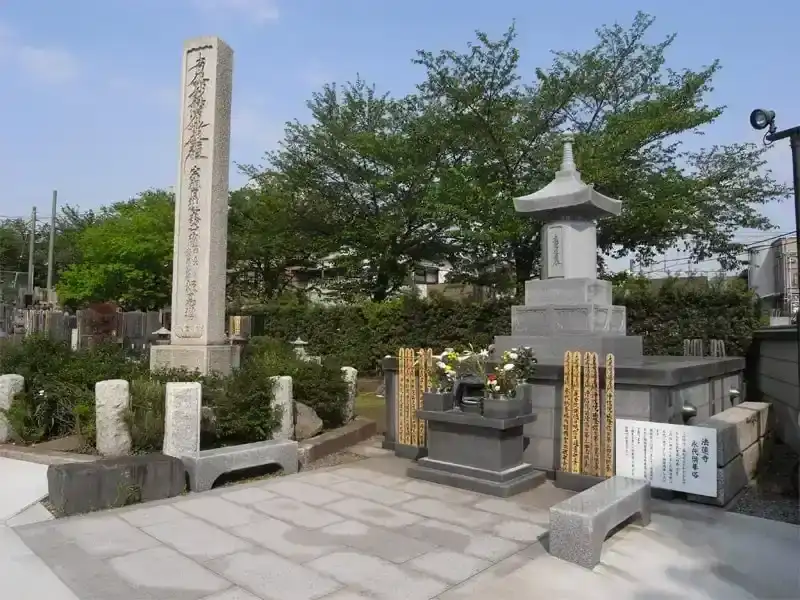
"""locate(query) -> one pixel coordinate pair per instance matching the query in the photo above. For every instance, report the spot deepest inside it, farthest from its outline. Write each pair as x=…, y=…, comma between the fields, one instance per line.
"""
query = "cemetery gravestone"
x=198, y=339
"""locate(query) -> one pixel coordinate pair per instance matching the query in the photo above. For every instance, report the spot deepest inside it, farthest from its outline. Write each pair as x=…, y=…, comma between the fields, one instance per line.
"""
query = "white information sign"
x=681, y=458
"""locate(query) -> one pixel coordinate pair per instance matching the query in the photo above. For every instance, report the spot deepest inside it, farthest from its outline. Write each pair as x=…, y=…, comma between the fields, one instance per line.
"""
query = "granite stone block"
x=579, y=525
x=10, y=386
x=114, y=482
x=736, y=428
x=182, y=419
x=112, y=402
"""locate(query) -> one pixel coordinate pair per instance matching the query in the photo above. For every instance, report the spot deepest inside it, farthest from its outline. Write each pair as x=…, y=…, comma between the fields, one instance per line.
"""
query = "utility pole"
x=31, y=249
x=51, y=247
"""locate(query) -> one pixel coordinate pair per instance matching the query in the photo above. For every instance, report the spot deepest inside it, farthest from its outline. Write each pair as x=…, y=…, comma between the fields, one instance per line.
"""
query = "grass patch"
x=371, y=406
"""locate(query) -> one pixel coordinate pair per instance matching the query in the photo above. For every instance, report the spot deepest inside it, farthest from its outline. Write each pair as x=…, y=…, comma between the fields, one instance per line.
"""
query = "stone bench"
x=580, y=525
x=206, y=466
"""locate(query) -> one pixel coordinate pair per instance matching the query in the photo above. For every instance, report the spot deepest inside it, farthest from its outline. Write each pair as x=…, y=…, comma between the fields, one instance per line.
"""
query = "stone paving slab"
x=364, y=531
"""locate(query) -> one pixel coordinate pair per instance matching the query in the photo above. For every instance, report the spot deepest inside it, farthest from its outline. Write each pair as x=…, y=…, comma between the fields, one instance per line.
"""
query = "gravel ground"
x=771, y=495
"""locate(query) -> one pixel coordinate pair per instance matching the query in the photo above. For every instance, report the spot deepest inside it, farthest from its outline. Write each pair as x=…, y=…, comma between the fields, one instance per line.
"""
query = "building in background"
x=772, y=275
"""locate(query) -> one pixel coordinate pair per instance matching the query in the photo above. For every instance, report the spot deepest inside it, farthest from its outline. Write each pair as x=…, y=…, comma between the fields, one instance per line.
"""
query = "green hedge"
x=361, y=335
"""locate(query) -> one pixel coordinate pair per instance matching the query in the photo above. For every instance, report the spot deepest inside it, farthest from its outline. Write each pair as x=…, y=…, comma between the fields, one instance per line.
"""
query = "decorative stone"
x=350, y=376
x=308, y=422
x=182, y=420
x=76, y=488
x=198, y=341
x=284, y=401
x=112, y=403
x=10, y=386
x=579, y=525
x=208, y=465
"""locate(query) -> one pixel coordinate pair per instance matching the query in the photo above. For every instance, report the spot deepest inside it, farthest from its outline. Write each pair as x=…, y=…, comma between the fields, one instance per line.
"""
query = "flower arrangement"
x=517, y=366
x=450, y=365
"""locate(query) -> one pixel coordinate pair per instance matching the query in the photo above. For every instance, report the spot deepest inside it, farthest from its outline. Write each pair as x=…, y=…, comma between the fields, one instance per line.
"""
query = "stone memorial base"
x=650, y=388
x=476, y=453
x=220, y=359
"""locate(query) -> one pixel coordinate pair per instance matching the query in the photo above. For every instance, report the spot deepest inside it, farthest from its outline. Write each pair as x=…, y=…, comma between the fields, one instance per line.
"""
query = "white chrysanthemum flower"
x=441, y=365
x=513, y=355
x=508, y=367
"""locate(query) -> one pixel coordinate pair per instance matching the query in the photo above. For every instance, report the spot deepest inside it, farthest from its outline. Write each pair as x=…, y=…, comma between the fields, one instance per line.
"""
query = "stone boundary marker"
x=10, y=385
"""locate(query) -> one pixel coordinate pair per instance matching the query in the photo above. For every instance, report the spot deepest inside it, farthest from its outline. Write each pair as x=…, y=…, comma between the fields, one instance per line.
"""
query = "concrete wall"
x=772, y=377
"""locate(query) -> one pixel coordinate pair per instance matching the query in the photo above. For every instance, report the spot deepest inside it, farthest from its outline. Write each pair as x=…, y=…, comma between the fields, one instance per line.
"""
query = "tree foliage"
x=631, y=115
x=126, y=257
x=368, y=174
x=373, y=185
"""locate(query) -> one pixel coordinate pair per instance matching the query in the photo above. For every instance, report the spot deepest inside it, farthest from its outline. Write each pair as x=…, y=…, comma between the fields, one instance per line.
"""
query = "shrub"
x=319, y=386
x=58, y=399
x=360, y=335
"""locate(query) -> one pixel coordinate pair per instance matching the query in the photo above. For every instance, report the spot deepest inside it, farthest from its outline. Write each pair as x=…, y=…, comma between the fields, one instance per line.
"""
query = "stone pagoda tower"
x=568, y=308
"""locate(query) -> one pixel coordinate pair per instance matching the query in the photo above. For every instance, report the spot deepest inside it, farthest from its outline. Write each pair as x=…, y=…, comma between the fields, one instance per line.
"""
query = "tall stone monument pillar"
x=568, y=308
x=197, y=340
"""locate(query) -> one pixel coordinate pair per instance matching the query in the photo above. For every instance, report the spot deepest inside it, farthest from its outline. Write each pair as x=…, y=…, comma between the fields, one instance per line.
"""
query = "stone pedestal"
x=475, y=453
x=220, y=358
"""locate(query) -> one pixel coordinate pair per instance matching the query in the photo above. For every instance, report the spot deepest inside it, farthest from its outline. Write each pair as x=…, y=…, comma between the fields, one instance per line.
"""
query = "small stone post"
x=112, y=402
x=350, y=376
x=182, y=420
x=283, y=398
x=10, y=385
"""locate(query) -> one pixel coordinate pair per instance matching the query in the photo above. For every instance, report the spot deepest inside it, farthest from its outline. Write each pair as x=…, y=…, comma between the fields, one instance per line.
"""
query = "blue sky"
x=89, y=96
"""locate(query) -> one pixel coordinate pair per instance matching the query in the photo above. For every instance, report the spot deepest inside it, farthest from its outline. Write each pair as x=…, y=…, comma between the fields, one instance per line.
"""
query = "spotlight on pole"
x=761, y=119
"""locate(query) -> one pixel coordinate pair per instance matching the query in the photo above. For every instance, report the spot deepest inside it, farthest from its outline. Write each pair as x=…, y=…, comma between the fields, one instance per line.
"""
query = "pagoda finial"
x=568, y=161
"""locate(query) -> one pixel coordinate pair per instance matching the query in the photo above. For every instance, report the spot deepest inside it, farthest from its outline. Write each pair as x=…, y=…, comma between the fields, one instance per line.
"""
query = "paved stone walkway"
x=364, y=531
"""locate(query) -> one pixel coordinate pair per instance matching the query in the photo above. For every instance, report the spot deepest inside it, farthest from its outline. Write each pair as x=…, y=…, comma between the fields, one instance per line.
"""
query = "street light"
x=765, y=119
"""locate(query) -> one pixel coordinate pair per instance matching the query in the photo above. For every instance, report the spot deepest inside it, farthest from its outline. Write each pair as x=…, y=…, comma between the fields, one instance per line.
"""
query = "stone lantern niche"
x=568, y=308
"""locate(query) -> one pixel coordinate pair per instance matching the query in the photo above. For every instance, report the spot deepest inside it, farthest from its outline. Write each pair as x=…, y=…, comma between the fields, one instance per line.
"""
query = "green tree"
x=629, y=112
x=125, y=256
x=367, y=176
x=265, y=240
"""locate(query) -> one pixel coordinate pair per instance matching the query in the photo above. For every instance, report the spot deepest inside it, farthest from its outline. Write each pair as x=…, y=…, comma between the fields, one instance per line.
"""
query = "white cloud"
x=45, y=64
x=260, y=11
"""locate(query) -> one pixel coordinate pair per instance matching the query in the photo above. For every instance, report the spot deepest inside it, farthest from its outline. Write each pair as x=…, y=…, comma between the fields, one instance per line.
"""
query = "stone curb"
x=43, y=457
x=358, y=430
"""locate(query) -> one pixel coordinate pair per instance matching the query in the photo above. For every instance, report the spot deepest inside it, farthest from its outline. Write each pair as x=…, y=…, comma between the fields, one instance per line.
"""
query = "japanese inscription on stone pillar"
x=193, y=163
x=555, y=264
x=201, y=197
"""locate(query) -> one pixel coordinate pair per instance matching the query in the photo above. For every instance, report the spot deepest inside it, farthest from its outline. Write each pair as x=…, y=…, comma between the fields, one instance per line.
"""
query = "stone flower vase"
x=503, y=407
x=525, y=393
x=441, y=401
